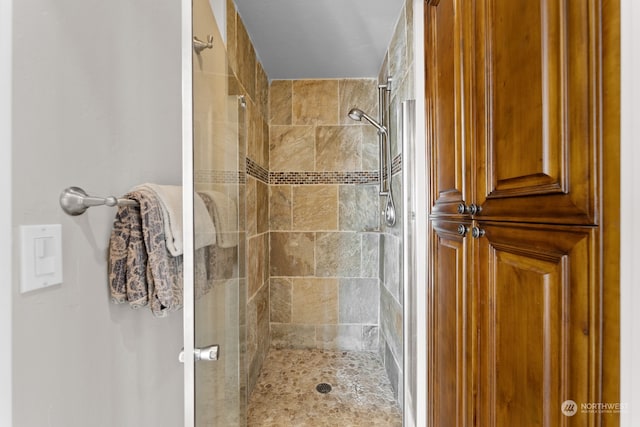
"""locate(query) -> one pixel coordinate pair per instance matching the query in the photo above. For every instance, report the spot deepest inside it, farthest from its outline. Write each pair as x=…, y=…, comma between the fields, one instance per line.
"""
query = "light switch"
x=41, y=261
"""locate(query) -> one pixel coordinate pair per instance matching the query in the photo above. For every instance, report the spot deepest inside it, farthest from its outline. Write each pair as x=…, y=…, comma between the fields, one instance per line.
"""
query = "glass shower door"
x=218, y=270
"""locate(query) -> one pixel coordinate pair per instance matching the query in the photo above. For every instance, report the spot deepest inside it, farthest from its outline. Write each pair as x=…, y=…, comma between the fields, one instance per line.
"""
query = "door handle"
x=204, y=353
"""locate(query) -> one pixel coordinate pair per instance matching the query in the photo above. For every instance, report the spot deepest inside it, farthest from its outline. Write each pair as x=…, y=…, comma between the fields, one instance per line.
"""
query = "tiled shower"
x=320, y=269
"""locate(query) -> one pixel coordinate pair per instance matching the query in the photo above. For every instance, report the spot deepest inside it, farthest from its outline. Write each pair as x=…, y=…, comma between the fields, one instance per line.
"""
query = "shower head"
x=358, y=115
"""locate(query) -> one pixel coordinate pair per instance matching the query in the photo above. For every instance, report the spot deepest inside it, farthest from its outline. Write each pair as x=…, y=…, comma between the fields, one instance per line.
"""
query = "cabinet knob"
x=462, y=230
x=477, y=232
x=472, y=209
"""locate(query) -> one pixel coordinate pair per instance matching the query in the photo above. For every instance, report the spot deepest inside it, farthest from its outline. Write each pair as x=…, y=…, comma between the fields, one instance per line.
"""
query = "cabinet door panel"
x=443, y=57
x=537, y=109
x=449, y=381
x=538, y=333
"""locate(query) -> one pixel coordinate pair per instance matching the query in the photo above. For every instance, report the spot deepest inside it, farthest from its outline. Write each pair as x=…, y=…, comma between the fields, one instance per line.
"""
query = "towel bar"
x=74, y=201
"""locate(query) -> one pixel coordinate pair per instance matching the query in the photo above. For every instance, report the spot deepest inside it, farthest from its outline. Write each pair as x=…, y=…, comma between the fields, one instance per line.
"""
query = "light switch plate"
x=41, y=256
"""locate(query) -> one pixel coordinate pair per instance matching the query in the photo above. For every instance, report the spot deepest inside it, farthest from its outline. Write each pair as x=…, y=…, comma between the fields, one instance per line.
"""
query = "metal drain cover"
x=323, y=388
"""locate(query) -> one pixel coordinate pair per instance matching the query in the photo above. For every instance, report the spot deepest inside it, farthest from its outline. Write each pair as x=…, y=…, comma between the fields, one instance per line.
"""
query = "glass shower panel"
x=219, y=132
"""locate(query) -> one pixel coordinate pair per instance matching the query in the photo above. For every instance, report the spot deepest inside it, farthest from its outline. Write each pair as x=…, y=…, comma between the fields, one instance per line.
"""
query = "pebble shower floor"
x=286, y=395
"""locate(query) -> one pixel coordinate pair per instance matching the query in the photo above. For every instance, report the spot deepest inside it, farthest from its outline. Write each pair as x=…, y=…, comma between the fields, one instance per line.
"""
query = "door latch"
x=204, y=353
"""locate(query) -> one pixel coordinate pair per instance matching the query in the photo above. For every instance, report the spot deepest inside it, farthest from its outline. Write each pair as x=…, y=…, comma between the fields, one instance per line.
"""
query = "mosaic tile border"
x=257, y=171
x=219, y=177
x=396, y=164
x=323, y=177
x=301, y=178
x=306, y=178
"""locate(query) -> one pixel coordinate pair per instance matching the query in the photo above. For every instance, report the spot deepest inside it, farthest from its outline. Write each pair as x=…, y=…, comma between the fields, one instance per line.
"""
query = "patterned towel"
x=141, y=270
x=220, y=259
x=170, y=203
x=224, y=213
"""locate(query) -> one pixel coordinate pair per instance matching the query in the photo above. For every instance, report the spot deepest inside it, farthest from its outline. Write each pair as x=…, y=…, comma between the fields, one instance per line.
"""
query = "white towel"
x=170, y=197
x=225, y=218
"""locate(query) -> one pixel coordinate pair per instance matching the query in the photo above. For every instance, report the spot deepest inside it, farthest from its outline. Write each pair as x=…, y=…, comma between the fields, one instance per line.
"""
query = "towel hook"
x=199, y=45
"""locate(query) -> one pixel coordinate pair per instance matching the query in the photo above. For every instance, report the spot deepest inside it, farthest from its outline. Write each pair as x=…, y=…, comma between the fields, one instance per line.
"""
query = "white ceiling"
x=314, y=39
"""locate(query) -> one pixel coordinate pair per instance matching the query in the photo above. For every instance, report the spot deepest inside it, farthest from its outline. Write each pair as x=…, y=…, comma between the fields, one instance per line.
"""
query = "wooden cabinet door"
x=444, y=104
x=538, y=333
x=449, y=374
x=537, y=110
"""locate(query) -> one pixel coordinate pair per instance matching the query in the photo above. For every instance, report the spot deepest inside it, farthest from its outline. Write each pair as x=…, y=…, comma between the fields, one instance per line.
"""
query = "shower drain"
x=323, y=388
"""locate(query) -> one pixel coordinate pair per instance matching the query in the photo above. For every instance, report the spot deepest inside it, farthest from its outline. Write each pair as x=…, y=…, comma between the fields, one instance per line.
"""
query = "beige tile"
x=384, y=70
x=409, y=23
x=261, y=301
x=338, y=148
x=251, y=206
x=258, y=330
x=291, y=148
x=266, y=257
x=280, y=207
x=246, y=59
x=280, y=299
x=391, y=322
x=292, y=254
x=314, y=301
x=398, y=49
x=252, y=330
x=265, y=144
x=370, y=255
x=315, y=102
x=287, y=335
x=231, y=35
x=358, y=207
x=253, y=133
x=357, y=93
x=359, y=301
x=262, y=209
x=315, y=207
x=338, y=254
x=280, y=95
x=262, y=91
x=339, y=337
x=255, y=264
x=370, y=149
x=233, y=84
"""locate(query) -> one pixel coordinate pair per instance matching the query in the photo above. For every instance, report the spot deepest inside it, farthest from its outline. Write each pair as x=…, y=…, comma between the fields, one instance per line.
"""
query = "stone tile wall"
x=399, y=65
x=320, y=271
x=324, y=287
x=248, y=79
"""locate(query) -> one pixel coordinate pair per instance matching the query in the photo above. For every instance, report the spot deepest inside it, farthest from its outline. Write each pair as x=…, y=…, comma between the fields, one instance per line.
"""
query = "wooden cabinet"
x=535, y=108
x=512, y=101
x=515, y=129
x=449, y=184
x=537, y=309
x=449, y=375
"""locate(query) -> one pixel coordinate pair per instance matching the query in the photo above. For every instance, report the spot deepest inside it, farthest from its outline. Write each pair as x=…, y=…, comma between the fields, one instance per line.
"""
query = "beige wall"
x=96, y=104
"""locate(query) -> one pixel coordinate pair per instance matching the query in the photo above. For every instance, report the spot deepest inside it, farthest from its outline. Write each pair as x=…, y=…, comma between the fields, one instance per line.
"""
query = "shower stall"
x=316, y=283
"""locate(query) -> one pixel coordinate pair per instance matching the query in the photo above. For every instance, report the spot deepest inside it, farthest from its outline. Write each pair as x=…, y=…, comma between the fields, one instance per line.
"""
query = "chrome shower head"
x=357, y=115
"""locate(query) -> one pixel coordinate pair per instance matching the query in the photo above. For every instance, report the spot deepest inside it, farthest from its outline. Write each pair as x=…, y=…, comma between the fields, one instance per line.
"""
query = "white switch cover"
x=41, y=256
